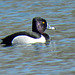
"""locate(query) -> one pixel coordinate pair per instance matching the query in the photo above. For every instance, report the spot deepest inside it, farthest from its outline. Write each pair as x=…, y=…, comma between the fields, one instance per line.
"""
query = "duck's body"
x=39, y=25
x=24, y=37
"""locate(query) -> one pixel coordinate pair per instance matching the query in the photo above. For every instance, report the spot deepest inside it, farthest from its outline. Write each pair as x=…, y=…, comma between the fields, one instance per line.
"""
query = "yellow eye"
x=43, y=22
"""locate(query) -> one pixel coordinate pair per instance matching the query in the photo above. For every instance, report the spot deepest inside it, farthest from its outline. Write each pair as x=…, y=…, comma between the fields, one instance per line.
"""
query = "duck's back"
x=8, y=40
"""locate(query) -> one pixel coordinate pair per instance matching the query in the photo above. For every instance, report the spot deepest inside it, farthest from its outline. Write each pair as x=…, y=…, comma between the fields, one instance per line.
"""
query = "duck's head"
x=39, y=25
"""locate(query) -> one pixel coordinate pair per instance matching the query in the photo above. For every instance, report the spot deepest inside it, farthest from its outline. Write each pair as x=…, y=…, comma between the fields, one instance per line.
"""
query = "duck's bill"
x=51, y=28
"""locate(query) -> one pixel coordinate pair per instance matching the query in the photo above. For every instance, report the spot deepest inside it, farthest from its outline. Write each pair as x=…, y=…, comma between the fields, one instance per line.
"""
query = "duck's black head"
x=39, y=25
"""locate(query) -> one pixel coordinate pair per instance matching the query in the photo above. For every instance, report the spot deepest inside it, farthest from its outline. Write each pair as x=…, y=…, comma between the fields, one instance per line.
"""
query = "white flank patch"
x=26, y=39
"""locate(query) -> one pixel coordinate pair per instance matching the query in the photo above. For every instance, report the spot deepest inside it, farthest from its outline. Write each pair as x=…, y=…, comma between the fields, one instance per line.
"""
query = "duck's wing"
x=8, y=39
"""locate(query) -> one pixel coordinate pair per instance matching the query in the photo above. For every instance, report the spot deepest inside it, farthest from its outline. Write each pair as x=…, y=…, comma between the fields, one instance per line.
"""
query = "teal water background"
x=56, y=58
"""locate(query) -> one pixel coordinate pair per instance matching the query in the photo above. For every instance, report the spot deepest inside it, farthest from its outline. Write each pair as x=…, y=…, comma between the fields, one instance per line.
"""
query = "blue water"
x=55, y=58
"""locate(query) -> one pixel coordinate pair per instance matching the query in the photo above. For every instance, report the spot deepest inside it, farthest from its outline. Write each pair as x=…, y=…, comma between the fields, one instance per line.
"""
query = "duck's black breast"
x=8, y=40
x=46, y=36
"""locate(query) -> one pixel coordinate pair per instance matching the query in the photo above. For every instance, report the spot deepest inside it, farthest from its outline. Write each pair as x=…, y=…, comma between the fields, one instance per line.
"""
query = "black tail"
x=4, y=42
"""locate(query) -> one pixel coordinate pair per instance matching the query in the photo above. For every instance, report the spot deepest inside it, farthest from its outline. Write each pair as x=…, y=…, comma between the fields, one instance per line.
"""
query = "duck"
x=39, y=25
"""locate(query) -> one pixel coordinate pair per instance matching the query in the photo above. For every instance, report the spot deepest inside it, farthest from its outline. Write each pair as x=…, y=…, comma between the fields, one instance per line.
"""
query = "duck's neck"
x=36, y=32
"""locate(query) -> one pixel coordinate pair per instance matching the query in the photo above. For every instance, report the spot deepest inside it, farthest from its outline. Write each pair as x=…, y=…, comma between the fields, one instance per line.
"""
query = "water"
x=56, y=58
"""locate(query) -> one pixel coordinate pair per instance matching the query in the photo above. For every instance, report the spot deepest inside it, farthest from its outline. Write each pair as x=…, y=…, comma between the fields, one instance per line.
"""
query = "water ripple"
x=55, y=58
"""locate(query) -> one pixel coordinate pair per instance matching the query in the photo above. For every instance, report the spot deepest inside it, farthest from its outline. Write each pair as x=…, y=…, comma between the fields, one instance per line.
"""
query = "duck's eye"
x=43, y=22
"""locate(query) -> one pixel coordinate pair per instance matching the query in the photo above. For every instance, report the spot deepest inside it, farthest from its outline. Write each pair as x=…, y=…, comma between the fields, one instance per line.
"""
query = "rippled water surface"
x=56, y=58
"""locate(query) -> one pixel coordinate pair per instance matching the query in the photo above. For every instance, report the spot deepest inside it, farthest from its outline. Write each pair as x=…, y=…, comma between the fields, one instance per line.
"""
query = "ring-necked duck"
x=39, y=25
